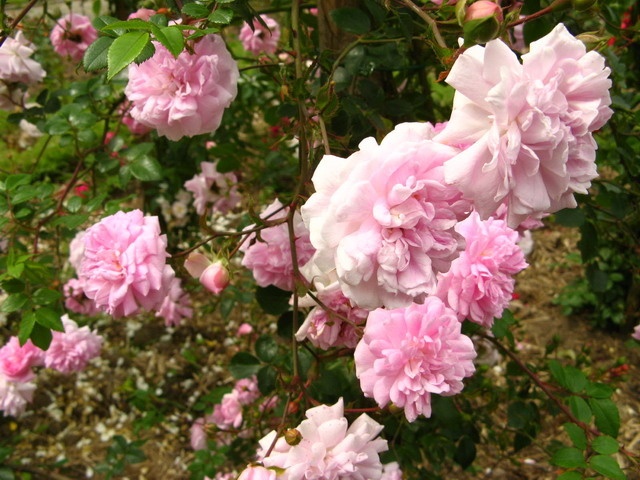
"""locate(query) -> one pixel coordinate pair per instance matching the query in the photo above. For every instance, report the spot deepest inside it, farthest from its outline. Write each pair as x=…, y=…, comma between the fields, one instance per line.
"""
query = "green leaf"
x=14, y=181
x=126, y=25
x=14, y=302
x=576, y=380
x=146, y=53
x=352, y=20
x=571, y=475
x=599, y=390
x=195, y=10
x=49, y=318
x=577, y=435
x=465, y=452
x=95, y=57
x=580, y=408
x=45, y=296
x=570, y=217
x=23, y=194
x=146, y=168
x=13, y=285
x=568, y=457
x=606, y=414
x=172, y=38
x=273, y=300
x=267, y=378
x=266, y=348
x=605, y=444
x=70, y=221
x=41, y=336
x=244, y=365
x=102, y=21
x=26, y=327
x=124, y=50
x=607, y=466
x=221, y=15
x=6, y=473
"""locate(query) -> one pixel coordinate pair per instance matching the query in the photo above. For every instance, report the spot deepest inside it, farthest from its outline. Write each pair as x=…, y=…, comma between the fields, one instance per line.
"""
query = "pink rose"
x=408, y=354
x=15, y=62
x=124, y=265
x=72, y=35
x=14, y=395
x=219, y=190
x=244, y=329
x=184, y=96
x=636, y=332
x=215, y=277
x=75, y=299
x=382, y=221
x=142, y=14
x=70, y=351
x=256, y=38
x=16, y=361
x=330, y=448
x=228, y=413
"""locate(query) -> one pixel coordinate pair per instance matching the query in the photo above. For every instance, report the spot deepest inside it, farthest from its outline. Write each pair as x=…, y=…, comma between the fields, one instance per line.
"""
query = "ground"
x=73, y=419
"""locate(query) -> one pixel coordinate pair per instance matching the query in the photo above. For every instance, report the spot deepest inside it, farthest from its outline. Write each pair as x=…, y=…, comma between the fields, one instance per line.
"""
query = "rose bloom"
x=246, y=390
x=257, y=472
x=75, y=300
x=256, y=38
x=72, y=35
x=391, y=471
x=70, y=351
x=330, y=448
x=210, y=187
x=184, y=96
x=176, y=306
x=142, y=14
x=198, y=432
x=15, y=62
x=269, y=259
x=408, y=354
x=480, y=283
x=16, y=361
x=636, y=332
x=123, y=267
x=228, y=413
x=382, y=220
x=528, y=125
x=14, y=395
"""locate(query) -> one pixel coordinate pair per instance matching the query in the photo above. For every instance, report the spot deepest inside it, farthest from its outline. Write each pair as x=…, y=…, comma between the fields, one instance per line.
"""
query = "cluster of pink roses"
x=70, y=351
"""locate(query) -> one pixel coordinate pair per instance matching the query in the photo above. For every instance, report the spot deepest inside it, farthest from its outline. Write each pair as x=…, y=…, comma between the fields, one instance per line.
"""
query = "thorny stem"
x=16, y=21
x=538, y=14
x=428, y=20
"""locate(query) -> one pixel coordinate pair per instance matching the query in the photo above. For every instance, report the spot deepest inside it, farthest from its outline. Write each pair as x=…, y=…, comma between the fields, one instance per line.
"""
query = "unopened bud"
x=482, y=21
x=292, y=436
x=215, y=278
x=196, y=263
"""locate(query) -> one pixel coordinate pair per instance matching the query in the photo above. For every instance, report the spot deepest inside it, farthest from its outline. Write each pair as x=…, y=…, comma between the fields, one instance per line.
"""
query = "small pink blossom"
x=123, y=267
x=132, y=124
x=528, y=125
x=14, y=395
x=636, y=332
x=228, y=413
x=70, y=351
x=247, y=390
x=214, y=189
x=483, y=9
x=256, y=38
x=17, y=361
x=257, y=472
x=184, y=96
x=382, y=220
x=244, y=329
x=176, y=305
x=16, y=64
x=391, y=471
x=480, y=283
x=408, y=354
x=142, y=14
x=76, y=301
x=72, y=35
x=269, y=259
x=326, y=329
x=199, y=434
x=76, y=250
x=330, y=448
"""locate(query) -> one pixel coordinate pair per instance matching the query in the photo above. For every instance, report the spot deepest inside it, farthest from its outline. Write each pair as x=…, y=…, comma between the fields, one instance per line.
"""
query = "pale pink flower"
x=72, y=350
x=391, y=471
x=257, y=472
x=72, y=35
x=16, y=64
x=383, y=219
x=330, y=448
x=480, y=283
x=215, y=189
x=269, y=259
x=528, y=125
x=215, y=277
x=198, y=433
x=16, y=361
x=636, y=332
x=228, y=413
x=247, y=390
x=256, y=38
x=244, y=329
x=132, y=124
x=326, y=329
x=76, y=301
x=184, y=96
x=124, y=265
x=176, y=305
x=408, y=354
x=142, y=14
x=14, y=395
x=76, y=250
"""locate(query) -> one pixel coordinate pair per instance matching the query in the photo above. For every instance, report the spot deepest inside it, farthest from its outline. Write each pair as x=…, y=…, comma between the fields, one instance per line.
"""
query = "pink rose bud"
x=196, y=264
x=244, y=329
x=215, y=278
x=482, y=21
